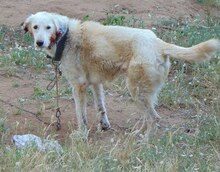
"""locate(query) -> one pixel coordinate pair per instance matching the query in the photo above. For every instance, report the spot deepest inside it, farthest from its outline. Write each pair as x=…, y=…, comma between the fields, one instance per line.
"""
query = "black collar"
x=60, y=47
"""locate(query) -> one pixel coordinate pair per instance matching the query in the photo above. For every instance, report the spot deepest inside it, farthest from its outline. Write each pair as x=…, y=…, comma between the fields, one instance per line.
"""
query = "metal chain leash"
x=27, y=111
x=51, y=85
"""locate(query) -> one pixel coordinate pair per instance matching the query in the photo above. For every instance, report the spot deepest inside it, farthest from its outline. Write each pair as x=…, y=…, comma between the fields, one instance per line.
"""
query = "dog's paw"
x=104, y=124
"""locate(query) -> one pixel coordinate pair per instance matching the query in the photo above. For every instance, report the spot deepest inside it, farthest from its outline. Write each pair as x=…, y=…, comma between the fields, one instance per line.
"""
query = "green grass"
x=18, y=52
x=175, y=150
x=122, y=21
x=2, y=122
x=192, y=84
x=114, y=20
x=24, y=58
x=193, y=146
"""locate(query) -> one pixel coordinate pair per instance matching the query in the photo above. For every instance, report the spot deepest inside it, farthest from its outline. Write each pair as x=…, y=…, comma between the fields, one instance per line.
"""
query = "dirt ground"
x=13, y=12
x=121, y=111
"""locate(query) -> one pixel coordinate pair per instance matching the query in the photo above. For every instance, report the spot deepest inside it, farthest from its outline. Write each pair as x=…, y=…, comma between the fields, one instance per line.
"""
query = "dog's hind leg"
x=144, y=88
x=99, y=100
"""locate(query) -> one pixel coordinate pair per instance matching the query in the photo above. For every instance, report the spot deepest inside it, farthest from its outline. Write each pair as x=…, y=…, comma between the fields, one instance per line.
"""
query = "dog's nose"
x=40, y=43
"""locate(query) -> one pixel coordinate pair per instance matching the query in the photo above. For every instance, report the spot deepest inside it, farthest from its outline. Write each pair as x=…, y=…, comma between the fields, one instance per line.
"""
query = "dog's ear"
x=26, y=25
x=60, y=24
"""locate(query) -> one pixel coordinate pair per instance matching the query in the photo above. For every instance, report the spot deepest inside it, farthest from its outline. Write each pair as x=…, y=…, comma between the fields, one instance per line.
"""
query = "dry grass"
x=192, y=86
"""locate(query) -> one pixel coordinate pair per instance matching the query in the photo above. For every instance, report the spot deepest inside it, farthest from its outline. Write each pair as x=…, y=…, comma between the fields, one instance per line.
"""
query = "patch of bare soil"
x=122, y=112
x=13, y=12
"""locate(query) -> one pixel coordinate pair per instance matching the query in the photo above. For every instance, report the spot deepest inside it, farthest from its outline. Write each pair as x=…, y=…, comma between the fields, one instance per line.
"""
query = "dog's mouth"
x=49, y=47
x=52, y=43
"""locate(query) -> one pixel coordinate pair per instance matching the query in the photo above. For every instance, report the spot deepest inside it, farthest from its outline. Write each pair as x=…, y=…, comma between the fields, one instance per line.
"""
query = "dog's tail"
x=196, y=53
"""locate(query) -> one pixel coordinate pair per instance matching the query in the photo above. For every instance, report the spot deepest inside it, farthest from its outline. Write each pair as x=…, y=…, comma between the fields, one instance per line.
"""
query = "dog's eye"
x=48, y=27
x=35, y=27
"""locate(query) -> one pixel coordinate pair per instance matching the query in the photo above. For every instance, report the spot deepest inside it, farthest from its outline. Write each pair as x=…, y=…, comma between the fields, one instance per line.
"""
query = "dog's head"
x=46, y=28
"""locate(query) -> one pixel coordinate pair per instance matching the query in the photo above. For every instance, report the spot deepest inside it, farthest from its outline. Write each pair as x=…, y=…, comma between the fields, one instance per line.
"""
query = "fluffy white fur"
x=95, y=53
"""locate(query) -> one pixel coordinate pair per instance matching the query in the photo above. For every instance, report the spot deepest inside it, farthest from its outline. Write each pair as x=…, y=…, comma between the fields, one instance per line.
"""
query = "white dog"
x=91, y=53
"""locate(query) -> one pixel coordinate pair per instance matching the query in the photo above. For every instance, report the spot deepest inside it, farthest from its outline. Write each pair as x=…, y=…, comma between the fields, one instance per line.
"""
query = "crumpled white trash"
x=30, y=140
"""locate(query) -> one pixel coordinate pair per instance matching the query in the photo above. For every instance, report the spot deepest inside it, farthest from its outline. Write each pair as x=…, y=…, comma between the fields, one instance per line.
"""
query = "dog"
x=92, y=53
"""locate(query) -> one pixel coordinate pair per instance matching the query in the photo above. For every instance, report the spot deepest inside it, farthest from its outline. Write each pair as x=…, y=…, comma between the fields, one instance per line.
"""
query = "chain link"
x=58, y=114
x=27, y=111
x=51, y=85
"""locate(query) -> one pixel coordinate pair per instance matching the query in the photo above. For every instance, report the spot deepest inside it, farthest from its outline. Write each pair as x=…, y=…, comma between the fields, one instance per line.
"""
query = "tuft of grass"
x=42, y=93
x=19, y=52
x=114, y=20
x=122, y=21
x=86, y=18
x=11, y=38
x=2, y=122
x=26, y=58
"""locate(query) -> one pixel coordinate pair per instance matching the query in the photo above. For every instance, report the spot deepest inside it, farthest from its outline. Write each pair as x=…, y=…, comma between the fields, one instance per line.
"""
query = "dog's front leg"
x=79, y=93
x=99, y=100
